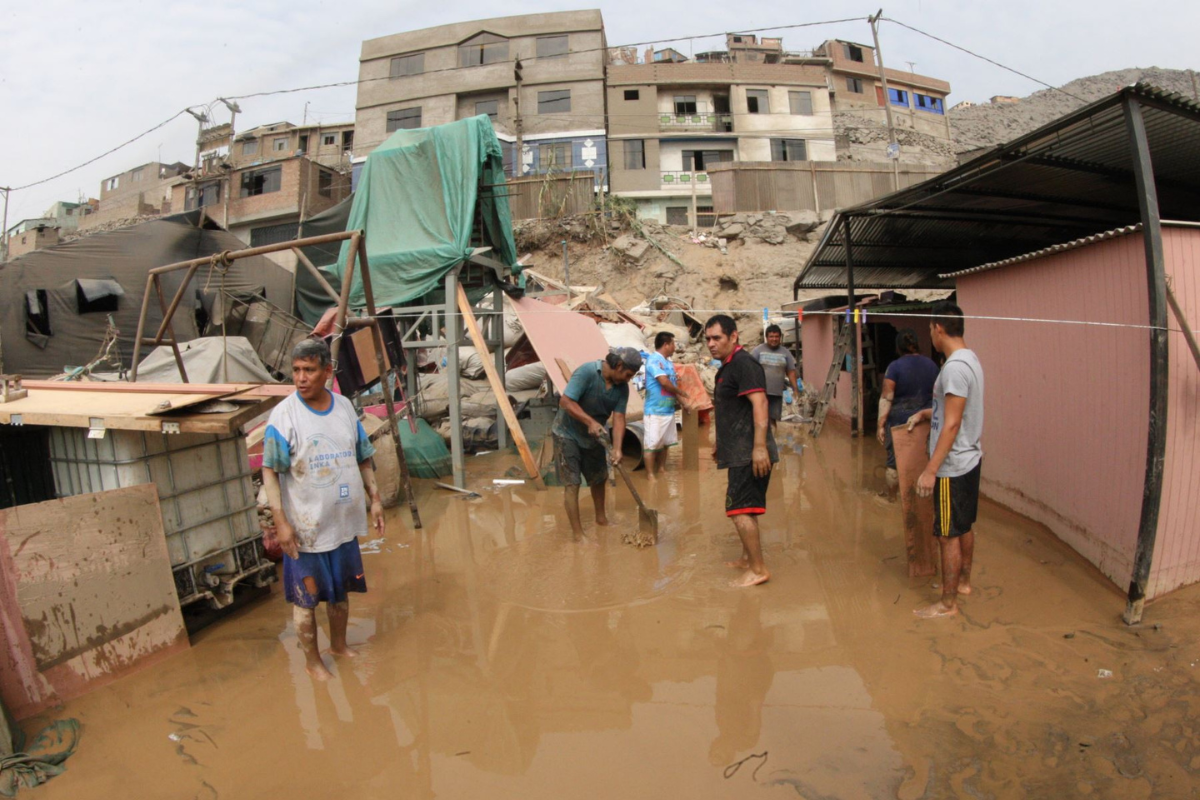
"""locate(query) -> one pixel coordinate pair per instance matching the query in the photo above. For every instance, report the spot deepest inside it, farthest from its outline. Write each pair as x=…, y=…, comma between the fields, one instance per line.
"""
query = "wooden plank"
x=464, y=306
x=121, y=411
x=94, y=588
x=912, y=456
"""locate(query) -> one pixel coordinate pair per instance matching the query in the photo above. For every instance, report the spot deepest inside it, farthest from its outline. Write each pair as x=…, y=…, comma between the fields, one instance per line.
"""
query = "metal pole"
x=855, y=390
x=343, y=306
x=498, y=327
x=6, y=190
x=887, y=98
x=567, y=272
x=1156, y=435
x=454, y=381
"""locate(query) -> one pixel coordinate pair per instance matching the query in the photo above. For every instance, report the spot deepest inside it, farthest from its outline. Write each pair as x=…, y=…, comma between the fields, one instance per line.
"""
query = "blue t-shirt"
x=658, y=402
x=587, y=388
x=914, y=375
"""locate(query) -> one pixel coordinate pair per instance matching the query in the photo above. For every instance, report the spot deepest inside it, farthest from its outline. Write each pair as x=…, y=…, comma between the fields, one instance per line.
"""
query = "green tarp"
x=416, y=200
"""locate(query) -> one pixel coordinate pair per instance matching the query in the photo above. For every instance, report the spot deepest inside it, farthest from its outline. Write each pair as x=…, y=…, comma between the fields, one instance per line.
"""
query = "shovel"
x=647, y=533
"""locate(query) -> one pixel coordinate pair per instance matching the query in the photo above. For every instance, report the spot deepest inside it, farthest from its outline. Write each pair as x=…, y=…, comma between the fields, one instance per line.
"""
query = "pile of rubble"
x=770, y=227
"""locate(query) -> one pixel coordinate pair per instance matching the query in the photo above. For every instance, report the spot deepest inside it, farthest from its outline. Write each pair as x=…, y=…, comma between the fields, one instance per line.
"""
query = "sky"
x=79, y=78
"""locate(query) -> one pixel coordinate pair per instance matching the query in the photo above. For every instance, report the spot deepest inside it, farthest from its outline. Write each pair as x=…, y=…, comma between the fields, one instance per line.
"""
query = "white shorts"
x=660, y=432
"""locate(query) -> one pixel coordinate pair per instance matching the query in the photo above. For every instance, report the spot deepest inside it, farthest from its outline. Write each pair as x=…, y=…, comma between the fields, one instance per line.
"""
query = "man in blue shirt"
x=658, y=416
x=596, y=390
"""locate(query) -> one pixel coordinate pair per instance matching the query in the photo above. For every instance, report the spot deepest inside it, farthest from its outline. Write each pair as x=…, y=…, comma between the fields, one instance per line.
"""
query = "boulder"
x=631, y=248
x=799, y=223
x=732, y=230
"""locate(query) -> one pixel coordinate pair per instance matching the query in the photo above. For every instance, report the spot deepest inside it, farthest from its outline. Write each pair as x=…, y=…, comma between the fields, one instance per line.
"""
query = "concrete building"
x=142, y=191
x=918, y=102
x=540, y=77
x=329, y=145
x=669, y=121
x=29, y=235
x=65, y=214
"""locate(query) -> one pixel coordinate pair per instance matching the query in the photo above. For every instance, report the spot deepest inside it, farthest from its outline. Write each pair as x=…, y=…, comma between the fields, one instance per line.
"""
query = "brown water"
x=500, y=660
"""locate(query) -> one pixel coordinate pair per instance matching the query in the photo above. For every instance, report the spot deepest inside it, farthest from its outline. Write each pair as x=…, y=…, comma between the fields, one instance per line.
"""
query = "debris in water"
x=1104, y=673
x=733, y=768
x=1070, y=635
x=507, y=482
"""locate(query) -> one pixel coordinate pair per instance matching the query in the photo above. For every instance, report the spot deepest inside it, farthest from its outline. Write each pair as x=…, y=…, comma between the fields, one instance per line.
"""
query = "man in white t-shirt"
x=955, y=456
x=317, y=472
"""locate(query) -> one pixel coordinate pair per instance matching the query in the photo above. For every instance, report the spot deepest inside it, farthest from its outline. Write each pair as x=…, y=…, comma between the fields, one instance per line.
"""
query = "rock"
x=731, y=231
x=799, y=223
x=825, y=215
x=630, y=248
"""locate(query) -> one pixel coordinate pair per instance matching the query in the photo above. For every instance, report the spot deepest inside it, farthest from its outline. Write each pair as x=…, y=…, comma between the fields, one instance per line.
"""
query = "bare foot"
x=741, y=563
x=318, y=671
x=964, y=588
x=750, y=578
x=935, y=610
x=602, y=521
x=345, y=650
x=587, y=541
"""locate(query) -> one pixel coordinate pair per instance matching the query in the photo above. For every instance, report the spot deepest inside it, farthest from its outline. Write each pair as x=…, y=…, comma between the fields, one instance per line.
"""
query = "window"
x=261, y=181
x=112, y=183
x=250, y=148
x=854, y=85
x=756, y=101
x=800, y=103
x=555, y=102
x=279, y=144
x=328, y=139
x=685, y=104
x=210, y=194
x=486, y=48
x=633, y=94
x=635, y=154
x=554, y=157
x=788, y=150
x=37, y=317
x=551, y=46
x=304, y=143
x=925, y=102
x=898, y=97
x=347, y=140
x=852, y=52
x=705, y=218
x=489, y=107
x=325, y=183
x=273, y=234
x=93, y=294
x=677, y=215
x=408, y=65
x=404, y=119
x=136, y=175
x=699, y=160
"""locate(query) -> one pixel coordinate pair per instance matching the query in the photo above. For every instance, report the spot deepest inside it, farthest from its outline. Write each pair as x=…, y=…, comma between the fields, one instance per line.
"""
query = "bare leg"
x=756, y=572
x=968, y=555
x=653, y=464
x=951, y=566
x=571, y=501
x=339, y=618
x=305, y=620
x=598, y=501
x=741, y=563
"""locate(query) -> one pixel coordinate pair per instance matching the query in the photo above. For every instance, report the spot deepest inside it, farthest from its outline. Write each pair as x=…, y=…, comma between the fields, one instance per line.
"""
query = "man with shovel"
x=745, y=446
x=595, y=391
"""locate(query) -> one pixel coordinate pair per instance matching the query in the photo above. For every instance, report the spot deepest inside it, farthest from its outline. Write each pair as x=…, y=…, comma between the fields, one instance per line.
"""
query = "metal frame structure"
x=1129, y=158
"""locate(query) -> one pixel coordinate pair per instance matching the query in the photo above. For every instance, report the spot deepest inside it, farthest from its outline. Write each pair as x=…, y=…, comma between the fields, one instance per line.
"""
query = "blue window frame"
x=898, y=97
x=933, y=105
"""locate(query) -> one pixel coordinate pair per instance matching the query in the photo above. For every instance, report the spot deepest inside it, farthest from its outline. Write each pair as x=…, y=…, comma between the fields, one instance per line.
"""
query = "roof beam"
x=1039, y=198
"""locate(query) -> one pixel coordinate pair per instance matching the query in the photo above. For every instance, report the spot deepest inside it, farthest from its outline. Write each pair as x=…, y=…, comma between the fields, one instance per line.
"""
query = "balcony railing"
x=705, y=121
x=685, y=179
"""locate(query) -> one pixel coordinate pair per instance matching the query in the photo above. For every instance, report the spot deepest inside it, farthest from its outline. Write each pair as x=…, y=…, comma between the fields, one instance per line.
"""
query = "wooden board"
x=129, y=411
x=95, y=592
x=912, y=456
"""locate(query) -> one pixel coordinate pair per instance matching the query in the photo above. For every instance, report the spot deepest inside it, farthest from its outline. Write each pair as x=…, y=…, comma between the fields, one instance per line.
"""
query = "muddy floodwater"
x=500, y=660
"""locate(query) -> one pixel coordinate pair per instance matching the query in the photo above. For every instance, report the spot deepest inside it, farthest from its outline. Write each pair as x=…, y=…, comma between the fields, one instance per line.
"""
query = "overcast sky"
x=78, y=78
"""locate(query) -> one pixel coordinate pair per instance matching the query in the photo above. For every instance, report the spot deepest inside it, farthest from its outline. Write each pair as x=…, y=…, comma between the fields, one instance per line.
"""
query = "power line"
x=983, y=58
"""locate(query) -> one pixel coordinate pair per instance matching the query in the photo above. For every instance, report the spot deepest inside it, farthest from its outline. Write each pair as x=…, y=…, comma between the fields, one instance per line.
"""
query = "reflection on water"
x=499, y=659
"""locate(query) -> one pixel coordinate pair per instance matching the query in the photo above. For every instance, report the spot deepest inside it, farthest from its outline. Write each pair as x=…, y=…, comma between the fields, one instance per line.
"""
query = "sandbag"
x=530, y=376
x=387, y=468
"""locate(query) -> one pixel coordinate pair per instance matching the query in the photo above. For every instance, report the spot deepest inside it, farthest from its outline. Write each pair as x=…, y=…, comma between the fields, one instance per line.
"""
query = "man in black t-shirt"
x=745, y=445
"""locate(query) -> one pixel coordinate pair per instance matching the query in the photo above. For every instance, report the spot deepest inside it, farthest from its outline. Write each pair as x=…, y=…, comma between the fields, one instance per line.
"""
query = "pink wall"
x=1066, y=405
x=816, y=341
x=1177, y=547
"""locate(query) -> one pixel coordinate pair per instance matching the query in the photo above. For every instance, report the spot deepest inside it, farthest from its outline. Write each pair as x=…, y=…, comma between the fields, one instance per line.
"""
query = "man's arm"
x=885, y=407
x=668, y=388
x=618, y=423
x=946, y=437
x=576, y=411
x=760, y=458
x=284, y=531
x=368, y=478
x=794, y=380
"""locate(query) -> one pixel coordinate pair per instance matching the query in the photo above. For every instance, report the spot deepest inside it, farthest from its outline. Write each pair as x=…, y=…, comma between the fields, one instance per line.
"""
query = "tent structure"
x=56, y=301
x=209, y=359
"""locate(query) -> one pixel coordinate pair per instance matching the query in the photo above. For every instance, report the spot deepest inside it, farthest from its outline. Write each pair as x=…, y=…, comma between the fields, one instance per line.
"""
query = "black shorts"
x=775, y=407
x=956, y=503
x=571, y=462
x=746, y=494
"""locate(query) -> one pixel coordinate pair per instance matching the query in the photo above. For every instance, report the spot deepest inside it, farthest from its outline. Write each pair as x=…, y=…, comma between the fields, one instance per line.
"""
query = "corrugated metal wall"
x=1177, y=548
x=550, y=196
x=816, y=338
x=1066, y=405
x=816, y=185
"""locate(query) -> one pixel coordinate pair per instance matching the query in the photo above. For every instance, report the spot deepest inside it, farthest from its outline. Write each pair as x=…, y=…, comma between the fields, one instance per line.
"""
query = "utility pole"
x=6, y=190
x=519, y=159
x=234, y=108
x=893, y=145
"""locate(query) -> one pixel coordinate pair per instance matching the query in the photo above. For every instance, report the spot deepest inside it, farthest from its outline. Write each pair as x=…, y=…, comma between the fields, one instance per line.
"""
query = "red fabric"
x=733, y=512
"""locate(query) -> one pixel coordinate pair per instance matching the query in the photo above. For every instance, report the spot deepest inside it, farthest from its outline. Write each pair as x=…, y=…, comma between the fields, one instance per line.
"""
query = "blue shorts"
x=335, y=574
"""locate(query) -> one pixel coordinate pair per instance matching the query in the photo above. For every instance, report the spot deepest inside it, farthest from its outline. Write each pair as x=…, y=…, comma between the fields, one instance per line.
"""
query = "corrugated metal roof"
x=1065, y=182
x=1045, y=251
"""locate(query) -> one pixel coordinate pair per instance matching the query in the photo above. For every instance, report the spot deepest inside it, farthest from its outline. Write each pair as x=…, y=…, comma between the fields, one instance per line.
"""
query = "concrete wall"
x=30, y=240
x=816, y=341
x=299, y=184
x=633, y=116
x=1066, y=405
x=639, y=180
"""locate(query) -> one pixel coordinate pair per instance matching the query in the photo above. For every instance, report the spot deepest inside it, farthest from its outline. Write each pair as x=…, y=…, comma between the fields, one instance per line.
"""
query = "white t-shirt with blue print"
x=316, y=455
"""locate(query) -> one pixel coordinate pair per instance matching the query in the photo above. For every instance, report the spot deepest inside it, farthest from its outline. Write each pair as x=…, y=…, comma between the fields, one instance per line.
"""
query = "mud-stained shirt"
x=739, y=377
x=316, y=455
